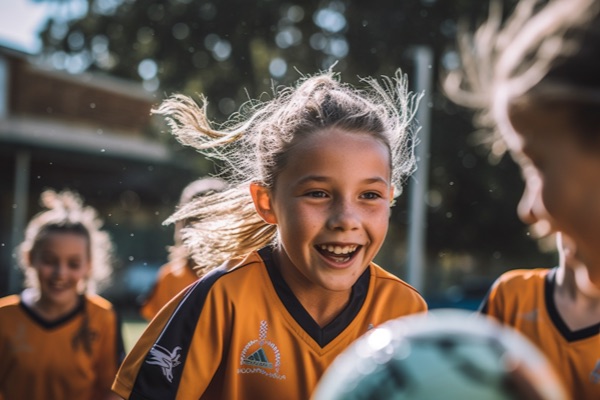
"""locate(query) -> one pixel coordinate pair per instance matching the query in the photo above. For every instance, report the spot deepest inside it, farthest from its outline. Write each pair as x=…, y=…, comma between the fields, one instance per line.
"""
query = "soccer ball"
x=442, y=354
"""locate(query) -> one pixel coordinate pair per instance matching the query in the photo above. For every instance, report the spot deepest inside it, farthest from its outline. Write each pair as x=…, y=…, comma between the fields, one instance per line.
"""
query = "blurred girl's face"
x=62, y=263
x=561, y=173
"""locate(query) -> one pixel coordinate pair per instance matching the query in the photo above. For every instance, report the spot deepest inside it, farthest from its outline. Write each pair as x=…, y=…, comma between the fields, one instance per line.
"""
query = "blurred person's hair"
x=547, y=52
x=195, y=189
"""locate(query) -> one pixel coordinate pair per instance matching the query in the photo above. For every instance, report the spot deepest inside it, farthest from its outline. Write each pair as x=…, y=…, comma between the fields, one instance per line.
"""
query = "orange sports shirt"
x=240, y=333
x=172, y=278
x=524, y=299
x=41, y=360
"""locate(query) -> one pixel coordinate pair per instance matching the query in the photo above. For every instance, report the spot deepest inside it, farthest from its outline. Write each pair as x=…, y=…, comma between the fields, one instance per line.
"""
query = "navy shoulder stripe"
x=161, y=371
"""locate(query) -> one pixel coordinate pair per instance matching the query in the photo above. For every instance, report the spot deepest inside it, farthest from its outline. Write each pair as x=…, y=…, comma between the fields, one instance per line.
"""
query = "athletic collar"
x=57, y=322
x=325, y=335
x=569, y=335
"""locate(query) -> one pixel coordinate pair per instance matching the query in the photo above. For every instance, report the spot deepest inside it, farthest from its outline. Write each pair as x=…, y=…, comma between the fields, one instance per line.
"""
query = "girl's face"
x=62, y=262
x=561, y=173
x=331, y=203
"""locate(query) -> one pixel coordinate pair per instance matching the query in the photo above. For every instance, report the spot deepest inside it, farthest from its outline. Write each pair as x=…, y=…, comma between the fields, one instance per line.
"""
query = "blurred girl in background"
x=181, y=270
x=59, y=340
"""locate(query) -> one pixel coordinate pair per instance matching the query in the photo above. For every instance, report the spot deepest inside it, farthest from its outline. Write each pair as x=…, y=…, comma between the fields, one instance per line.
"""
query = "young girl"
x=314, y=174
x=536, y=79
x=57, y=339
x=181, y=270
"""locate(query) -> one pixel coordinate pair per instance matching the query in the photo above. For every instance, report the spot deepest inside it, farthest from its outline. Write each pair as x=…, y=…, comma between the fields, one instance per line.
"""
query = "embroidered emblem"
x=261, y=356
x=595, y=374
x=84, y=337
x=165, y=359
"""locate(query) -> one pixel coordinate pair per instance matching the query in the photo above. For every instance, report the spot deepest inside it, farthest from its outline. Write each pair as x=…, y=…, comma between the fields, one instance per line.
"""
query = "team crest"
x=83, y=339
x=165, y=359
x=261, y=356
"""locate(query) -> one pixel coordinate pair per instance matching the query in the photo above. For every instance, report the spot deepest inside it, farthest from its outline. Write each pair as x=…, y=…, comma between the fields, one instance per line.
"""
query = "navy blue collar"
x=324, y=335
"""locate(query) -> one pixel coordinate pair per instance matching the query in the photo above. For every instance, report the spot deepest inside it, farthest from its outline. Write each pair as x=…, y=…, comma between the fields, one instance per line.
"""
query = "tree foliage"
x=233, y=50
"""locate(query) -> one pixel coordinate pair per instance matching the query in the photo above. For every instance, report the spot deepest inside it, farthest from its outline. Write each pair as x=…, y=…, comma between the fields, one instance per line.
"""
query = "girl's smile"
x=340, y=254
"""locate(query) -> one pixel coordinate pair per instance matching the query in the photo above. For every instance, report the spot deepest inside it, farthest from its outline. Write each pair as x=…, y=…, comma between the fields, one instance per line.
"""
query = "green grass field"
x=132, y=329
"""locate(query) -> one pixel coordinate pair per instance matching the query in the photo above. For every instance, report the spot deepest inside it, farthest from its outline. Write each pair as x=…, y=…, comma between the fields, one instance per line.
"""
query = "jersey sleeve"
x=493, y=303
x=8, y=318
x=513, y=290
x=179, y=352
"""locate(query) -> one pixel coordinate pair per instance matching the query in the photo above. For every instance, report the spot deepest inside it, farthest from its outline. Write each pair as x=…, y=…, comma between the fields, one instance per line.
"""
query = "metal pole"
x=4, y=77
x=22, y=167
x=417, y=207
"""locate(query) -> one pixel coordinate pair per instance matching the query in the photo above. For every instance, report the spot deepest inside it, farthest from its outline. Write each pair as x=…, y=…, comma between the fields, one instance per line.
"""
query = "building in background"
x=92, y=134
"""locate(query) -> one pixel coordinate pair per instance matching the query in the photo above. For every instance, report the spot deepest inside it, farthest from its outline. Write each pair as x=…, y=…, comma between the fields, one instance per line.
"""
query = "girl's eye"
x=74, y=265
x=48, y=261
x=317, y=194
x=371, y=196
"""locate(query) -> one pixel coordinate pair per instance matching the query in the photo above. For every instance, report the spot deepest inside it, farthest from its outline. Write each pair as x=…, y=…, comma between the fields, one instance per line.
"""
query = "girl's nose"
x=344, y=216
x=530, y=200
x=531, y=208
x=59, y=270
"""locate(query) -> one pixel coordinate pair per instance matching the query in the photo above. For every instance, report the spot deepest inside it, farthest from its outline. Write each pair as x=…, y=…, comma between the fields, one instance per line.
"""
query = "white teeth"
x=338, y=249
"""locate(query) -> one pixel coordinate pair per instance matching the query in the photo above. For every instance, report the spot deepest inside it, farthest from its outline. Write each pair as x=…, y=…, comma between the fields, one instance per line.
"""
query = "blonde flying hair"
x=198, y=188
x=522, y=56
x=66, y=213
x=254, y=145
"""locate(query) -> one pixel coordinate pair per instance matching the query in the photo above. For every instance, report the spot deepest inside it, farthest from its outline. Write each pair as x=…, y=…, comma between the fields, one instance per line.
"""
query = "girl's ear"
x=261, y=196
x=27, y=258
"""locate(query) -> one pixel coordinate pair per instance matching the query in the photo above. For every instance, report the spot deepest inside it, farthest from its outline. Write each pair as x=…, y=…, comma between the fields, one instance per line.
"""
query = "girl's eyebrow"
x=311, y=178
x=320, y=178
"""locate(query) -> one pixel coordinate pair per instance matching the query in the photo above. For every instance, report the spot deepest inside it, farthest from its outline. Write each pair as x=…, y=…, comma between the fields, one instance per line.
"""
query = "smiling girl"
x=313, y=176
x=58, y=340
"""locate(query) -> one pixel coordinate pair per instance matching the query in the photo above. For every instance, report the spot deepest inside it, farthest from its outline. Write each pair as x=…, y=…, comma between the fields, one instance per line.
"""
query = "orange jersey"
x=240, y=333
x=42, y=360
x=524, y=299
x=172, y=278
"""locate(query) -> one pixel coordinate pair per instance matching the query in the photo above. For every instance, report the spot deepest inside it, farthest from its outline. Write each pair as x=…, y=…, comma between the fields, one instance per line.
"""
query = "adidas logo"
x=254, y=360
x=258, y=359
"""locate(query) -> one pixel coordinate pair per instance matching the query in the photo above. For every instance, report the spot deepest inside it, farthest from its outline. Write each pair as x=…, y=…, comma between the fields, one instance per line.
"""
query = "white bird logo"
x=165, y=359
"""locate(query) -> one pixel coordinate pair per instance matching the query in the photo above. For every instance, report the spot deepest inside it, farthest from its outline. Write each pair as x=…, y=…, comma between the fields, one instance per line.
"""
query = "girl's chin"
x=589, y=287
x=60, y=295
x=340, y=284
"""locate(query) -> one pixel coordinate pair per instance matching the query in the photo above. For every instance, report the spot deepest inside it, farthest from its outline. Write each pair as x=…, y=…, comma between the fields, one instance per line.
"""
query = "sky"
x=20, y=20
